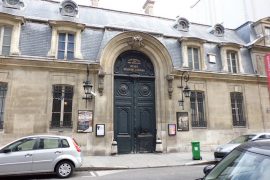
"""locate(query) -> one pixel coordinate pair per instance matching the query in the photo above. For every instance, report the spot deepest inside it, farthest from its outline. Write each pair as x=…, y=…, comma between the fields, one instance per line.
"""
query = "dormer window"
x=10, y=28
x=65, y=46
x=5, y=40
x=66, y=40
x=232, y=61
x=231, y=58
x=193, y=53
x=267, y=36
x=182, y=24
x=218, y=30
x=16, y=4
x=69, y=8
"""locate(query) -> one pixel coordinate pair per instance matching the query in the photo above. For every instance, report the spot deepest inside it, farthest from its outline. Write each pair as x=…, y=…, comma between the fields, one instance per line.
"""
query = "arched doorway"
x=134, y=103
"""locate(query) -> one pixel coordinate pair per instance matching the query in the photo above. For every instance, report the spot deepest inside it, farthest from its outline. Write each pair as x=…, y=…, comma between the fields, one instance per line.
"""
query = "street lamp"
x=87, y=86
x=185, y=91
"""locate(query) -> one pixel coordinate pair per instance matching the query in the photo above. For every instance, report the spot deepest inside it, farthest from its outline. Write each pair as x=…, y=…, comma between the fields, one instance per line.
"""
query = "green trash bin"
x=196, y=152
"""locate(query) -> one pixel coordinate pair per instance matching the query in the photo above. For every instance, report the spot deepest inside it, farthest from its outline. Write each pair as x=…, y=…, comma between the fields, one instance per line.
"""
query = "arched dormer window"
x=218, y=30
x=182, y=24
x=16, y=4
x=69, y=8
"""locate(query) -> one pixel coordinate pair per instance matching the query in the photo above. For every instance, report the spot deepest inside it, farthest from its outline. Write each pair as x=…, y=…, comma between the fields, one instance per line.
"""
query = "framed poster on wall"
x=182, y=121
x=171, y=129
x=85, y=121
x=100, y=129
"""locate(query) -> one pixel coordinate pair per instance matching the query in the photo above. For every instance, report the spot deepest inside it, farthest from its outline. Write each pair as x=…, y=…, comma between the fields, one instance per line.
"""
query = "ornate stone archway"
x=162, y=63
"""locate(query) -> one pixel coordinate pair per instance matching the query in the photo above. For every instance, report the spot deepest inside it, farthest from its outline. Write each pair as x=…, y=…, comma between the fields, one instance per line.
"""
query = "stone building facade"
x=135, y=64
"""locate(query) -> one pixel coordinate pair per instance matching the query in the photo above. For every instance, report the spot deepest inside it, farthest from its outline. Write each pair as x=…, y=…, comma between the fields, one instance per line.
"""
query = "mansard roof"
x=45, y=10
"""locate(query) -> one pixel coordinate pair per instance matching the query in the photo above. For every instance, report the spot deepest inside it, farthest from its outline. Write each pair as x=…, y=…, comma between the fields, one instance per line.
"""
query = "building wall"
x=219, y=128
x=29, y=105
x=30, y=72
x=229, y=12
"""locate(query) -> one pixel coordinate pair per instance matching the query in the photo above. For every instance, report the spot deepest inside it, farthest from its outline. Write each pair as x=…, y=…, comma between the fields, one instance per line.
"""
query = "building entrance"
x=134, y=103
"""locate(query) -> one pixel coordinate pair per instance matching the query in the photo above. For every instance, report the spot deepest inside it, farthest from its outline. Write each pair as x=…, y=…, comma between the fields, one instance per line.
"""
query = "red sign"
x=267, y=68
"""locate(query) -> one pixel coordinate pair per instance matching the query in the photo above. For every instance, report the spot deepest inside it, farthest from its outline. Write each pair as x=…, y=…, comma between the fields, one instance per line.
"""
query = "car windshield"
x=240, y=165
x=242, y=139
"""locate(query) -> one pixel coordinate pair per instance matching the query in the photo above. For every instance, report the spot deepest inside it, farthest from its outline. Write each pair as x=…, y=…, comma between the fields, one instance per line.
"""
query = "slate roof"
x=91, y=16
x=36, y=37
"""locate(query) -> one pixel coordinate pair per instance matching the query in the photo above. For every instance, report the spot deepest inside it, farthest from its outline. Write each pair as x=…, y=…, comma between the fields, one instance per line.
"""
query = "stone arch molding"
x=162, y=62
x=139, y=41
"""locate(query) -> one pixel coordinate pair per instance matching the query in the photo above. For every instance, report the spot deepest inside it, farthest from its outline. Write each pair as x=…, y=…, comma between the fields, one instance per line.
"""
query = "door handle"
x=28, y=155
x=57, y=152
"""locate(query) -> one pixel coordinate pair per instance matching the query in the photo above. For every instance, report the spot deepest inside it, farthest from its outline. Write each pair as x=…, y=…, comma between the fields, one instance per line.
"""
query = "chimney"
x=149, y=6
x=95, y=3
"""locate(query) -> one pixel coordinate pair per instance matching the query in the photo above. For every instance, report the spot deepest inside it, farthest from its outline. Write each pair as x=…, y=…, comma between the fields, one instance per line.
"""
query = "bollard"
x=159, y=147
x=114, y=148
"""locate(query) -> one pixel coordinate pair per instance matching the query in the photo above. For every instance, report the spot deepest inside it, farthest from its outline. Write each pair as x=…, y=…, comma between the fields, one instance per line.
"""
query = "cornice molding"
x=12, y=18
x=194, y=39
x=48, y=64
x=259, y=48
x=75, y=25
x=230, y=44
x=220, y=76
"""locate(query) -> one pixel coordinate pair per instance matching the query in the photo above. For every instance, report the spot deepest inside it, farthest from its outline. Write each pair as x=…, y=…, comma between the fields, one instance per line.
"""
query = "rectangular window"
x=62, y=106
x=66, y=46
x=194, y=58
x=260, y=66
x=5, y=40
x=267, y=36
x=3, y=91
x=197, y=109
x=237, y=109
x=232, y=61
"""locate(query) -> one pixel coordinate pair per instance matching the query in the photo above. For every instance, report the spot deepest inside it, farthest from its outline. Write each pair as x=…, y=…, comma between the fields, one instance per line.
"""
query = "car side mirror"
x=7, y=151
x=208, y=169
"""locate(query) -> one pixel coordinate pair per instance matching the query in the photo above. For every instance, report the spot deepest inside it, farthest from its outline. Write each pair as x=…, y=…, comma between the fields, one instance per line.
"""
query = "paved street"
x=166, y=173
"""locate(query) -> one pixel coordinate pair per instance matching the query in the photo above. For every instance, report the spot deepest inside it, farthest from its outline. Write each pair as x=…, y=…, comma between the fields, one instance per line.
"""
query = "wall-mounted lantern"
x=87, y=86
x=185, y=91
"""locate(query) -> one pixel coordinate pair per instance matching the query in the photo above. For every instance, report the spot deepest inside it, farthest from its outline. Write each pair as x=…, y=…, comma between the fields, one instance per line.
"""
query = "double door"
x=134, y=114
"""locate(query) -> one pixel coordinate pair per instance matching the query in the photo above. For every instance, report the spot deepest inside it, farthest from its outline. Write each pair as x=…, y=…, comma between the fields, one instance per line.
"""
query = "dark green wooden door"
x=134, y=105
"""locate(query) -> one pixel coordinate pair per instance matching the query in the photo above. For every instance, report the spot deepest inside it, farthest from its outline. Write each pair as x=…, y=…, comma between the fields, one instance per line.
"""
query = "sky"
x=163, y=8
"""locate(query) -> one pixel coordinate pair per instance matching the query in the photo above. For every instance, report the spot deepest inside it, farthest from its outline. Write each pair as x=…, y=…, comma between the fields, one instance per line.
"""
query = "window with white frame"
x=62, y=106
x=3, y=91
x=232, y=60
x=197, y=109
x=5, y=40
x=194, y=58
x=237, y=109
x=65, y=46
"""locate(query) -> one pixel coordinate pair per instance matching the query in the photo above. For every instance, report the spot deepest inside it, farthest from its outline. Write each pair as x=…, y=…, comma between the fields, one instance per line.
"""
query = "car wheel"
x=64, y=169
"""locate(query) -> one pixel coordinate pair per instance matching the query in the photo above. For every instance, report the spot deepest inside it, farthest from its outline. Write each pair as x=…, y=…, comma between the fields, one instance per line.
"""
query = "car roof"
x=256, y=134
x=45, y=135
x=259, y=147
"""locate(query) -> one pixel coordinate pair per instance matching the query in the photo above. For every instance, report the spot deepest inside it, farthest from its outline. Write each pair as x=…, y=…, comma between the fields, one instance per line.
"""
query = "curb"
x=142, y=167
x=101, y=168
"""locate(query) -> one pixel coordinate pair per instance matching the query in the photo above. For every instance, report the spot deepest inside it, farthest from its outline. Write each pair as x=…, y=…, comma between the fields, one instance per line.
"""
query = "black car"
x=249, y=161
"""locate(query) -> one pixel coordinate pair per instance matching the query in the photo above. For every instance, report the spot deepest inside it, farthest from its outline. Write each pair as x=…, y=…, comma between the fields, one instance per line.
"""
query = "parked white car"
x=40, y=154
x=224, y=149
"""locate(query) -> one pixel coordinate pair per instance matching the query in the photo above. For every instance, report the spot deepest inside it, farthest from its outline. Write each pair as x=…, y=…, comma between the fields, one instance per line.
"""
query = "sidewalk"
x=148, y=160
